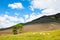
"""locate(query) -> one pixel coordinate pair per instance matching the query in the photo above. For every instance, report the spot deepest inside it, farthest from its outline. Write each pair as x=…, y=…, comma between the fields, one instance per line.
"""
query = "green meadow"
x=46, y=35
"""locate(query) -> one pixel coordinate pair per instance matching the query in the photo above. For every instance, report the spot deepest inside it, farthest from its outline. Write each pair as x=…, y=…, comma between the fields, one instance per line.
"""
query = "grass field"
x=49, y=35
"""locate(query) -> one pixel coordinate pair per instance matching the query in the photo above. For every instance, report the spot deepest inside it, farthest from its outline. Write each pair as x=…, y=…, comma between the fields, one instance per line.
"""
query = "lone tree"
x=14, y=29
x=17, y=28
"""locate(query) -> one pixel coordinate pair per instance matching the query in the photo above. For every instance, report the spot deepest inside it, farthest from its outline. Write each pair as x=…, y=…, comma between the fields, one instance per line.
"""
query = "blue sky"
x=4, y=6
x=22, y=11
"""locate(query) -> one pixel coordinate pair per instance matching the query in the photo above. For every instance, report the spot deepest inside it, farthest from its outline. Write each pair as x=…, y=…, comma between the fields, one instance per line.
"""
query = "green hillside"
x=50, y=35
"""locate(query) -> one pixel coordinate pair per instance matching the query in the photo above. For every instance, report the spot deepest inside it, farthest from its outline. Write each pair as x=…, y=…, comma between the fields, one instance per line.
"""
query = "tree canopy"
x=17, y=27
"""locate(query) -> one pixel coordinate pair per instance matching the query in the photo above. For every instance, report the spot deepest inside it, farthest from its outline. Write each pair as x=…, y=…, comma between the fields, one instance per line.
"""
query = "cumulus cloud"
x=8, y=21
x=48, y=12
x=26, y=16
x=15, y=5
x=51, y=6
x=41, y=4
x=33, y=16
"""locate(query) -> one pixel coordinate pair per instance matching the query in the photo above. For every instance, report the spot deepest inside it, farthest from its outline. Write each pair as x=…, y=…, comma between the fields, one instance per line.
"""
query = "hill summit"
x=46, y=19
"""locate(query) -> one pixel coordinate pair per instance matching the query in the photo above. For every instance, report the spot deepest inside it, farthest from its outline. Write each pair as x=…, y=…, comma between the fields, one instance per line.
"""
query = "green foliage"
x=17, y=27
x=20, y=27
x=14, y=30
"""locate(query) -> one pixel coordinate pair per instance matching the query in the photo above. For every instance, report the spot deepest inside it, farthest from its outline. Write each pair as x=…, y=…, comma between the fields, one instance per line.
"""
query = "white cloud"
x=33, y=16
x=48, y=12
x=21, y=20
x=16, y=5
x=52, y=6
x=26, y=16
x=41, y=4
x=4, y=22
x=8, y=21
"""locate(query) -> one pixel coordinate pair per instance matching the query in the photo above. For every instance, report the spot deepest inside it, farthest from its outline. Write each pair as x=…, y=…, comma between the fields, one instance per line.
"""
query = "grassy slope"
x=50, y=35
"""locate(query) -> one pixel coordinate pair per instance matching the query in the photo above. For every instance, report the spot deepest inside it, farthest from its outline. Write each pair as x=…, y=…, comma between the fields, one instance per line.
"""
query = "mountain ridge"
x=45, y=19
x=41, y=20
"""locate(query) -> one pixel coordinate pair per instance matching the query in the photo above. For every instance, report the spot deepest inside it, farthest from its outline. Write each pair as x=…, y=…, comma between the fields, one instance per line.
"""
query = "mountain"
x=44, y=23
x=42, y=20
x=45, y=19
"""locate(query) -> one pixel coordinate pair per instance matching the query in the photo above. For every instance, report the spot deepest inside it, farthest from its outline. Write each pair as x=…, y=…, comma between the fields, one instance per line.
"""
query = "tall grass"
x=50, y=35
